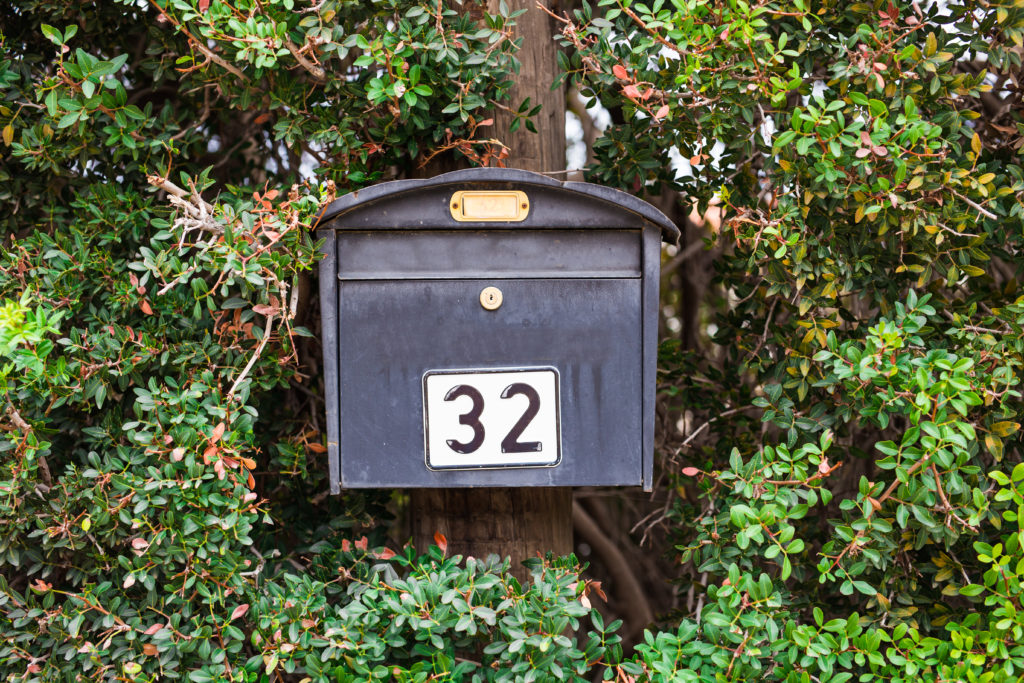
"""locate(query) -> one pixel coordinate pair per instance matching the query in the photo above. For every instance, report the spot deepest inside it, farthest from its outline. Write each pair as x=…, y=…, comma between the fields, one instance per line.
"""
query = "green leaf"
x=52, y=34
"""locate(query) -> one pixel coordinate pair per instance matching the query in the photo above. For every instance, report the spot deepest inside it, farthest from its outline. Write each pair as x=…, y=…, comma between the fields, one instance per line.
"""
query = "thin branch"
x=974, y=205
x=686, y=254
x=640, y=22
x=198, y=44
x=172, y=189
x=818, y=475
x=255, y=355
x=698, y=430
x=315, y=70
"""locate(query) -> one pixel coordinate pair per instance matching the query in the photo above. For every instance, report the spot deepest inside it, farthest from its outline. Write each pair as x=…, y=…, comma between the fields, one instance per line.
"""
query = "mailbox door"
x=393, y=333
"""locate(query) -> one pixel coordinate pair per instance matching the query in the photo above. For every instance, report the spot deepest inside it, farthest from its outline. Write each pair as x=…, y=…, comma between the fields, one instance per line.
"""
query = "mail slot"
x=490, y=327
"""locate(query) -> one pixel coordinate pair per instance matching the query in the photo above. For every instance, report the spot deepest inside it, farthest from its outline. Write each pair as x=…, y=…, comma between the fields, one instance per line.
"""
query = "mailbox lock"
x=490, y=298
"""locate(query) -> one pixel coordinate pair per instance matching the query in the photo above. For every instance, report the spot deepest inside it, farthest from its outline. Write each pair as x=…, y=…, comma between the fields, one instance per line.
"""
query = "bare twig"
x=686, y=254
x=255, y=355
x=315, y=70
x=978, y=207
x=698, y=430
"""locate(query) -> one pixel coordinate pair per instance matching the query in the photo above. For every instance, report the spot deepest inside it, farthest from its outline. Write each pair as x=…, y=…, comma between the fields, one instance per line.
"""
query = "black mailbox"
x=490, y=327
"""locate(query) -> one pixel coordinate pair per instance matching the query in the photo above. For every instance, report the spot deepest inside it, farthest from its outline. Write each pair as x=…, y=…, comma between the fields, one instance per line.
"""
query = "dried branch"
x=256, y=354
x=978, y=207
x=698, y=430
x=314, y=69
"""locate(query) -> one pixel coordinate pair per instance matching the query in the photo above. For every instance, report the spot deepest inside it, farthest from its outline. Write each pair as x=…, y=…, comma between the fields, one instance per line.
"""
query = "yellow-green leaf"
x=1005, y=428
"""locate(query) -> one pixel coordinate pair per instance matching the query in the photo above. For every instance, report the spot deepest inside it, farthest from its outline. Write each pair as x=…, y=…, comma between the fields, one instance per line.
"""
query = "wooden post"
x=515, y=522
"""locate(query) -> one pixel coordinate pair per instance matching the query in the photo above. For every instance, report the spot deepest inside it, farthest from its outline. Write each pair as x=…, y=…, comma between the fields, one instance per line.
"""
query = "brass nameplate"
x=489, y=205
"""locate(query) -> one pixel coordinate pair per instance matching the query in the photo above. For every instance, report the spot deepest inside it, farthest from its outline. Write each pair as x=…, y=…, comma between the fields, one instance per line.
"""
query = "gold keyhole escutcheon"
x=490, y=298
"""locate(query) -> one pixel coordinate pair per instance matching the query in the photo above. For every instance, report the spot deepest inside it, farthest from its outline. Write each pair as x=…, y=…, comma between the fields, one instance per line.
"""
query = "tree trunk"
x=515, y=522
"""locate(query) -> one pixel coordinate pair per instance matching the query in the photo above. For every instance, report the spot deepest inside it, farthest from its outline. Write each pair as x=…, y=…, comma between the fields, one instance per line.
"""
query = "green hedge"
x=846, y=487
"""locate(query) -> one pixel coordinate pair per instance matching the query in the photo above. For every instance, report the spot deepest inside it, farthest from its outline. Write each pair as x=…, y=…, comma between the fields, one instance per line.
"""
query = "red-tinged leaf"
x=150, y=649
x=880, y=151
x=486, y=122
x=177, y=454
x=204, y=5
x=250, y=481
x=585, y=601
x=146, y=308
x=596, y=587
x=345, y=545
x=316, y=447
x=262, y=118
x=249, y=497
x=823, y=468
x=264, y=309
x=218, y=432
x=154, y=629
x=386, y=554
x=632, y=92
x=690, y=471
x=248, y=463
x=210, y=453
x=218, y=467
x=865, y=138
x=133, y=278
x=662, y=112
x=647, y=94
x=140, y=543
x=362, y=543
x=441, y=541
x=862, y=152
x=620, y=72
x=239, y=611
x=41, y=586
x=271, y=195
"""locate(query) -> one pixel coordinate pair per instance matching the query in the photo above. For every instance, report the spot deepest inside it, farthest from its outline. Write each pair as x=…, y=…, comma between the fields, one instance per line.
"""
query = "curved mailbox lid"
x=361, y=209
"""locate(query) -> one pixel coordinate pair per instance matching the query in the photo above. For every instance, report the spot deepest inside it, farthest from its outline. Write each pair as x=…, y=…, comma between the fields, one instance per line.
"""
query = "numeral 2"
x=511, y=442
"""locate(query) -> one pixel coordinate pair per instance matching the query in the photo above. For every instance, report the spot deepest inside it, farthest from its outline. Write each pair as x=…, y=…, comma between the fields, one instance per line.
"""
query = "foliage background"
x=841, y=480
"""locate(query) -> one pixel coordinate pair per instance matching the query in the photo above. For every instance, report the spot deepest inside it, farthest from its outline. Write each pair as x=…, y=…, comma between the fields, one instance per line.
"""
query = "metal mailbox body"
x=402, y=295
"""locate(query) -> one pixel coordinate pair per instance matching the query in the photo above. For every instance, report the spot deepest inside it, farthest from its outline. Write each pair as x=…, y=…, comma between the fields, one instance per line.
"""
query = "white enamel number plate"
x=491, y=418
